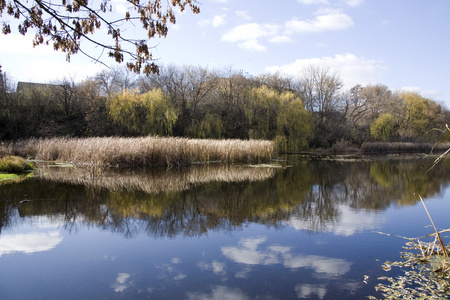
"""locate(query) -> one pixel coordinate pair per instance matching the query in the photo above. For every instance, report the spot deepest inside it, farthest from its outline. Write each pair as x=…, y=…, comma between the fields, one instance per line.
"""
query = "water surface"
x=307, y=229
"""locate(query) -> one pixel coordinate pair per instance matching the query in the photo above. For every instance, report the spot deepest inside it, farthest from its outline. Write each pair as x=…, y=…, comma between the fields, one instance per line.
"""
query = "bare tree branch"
x=72, y=21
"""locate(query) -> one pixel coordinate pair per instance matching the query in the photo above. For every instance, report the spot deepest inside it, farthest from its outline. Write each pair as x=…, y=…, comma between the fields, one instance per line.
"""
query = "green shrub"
x=14, y=164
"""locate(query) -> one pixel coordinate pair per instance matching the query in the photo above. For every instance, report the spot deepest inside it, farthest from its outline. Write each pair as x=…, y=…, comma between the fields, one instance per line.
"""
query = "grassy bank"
x=143, y=151
x=14, y=164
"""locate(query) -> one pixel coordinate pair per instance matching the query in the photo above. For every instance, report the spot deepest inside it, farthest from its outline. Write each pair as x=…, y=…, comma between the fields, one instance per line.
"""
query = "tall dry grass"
x=144, y=151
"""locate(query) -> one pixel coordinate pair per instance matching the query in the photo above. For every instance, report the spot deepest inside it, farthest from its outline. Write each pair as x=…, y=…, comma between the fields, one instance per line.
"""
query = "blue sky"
x=404, y=44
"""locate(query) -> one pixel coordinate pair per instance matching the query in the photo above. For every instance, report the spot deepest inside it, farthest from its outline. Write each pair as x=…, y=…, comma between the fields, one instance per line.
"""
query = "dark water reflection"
x=304, y=230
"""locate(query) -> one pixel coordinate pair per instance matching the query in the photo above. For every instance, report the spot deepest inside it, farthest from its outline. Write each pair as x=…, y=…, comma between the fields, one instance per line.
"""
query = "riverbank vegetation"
x=14, y=164
x=307, y=112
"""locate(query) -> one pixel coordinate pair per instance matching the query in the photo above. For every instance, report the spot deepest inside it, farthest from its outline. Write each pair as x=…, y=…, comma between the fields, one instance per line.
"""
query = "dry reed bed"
x=143, y=151
x=402, y=147
x=156, y=182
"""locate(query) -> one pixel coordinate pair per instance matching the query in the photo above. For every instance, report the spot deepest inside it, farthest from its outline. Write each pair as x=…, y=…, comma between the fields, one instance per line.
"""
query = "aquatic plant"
x=427, y=274
x=15, y=164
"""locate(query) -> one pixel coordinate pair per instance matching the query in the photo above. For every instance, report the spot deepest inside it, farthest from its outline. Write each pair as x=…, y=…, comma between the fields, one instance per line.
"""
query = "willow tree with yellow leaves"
x=77, y=26
x=279, y=116
x=143, y=114
x=411, y=118
x=295, y=126
x=419, y=115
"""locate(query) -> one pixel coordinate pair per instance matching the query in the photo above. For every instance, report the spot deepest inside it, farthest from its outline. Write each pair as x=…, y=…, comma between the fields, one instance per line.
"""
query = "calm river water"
x=308, y=229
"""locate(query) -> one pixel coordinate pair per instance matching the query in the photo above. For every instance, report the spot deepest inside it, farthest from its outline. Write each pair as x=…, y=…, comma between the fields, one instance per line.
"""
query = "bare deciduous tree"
x=319, y=87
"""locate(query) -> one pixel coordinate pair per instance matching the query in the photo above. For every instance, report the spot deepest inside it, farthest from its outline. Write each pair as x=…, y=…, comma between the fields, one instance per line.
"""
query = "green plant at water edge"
x=8, y=177
x=14, y=164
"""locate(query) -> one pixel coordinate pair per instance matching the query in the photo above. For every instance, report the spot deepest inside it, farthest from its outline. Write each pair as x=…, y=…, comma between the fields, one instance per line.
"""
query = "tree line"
x=312, y=110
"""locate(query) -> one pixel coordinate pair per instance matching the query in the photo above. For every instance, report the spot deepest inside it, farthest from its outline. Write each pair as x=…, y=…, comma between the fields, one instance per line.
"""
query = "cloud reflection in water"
x=121, y=283
x=219, y=292
x=29, y=242
x=307, y=290
x=247, y=252
x=350, y=222
x=217, y=267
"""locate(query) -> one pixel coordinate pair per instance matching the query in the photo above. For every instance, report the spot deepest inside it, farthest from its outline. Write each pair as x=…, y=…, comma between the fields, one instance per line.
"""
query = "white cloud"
x=414, y=89
x=280, y=39
x=216, y=21
x=328, y=22
x=175, y=26
x=432, y=94
x=29, y=242
x=204, y=22
x=25, y=63
x=53, y=69
x=327, y=11
x=351, y=68
x=18, y=44
x=121, y=9
x=354, y=3
x=252, y=45
x=249, y=34
x=309, y=2
x=242, y=14
x=249, y=31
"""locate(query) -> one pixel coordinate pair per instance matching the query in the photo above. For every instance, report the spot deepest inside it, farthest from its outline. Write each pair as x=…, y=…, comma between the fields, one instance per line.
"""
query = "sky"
x=403, y=44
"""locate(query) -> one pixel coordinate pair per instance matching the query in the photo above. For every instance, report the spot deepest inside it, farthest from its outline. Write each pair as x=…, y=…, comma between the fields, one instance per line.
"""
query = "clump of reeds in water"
x=143, y=151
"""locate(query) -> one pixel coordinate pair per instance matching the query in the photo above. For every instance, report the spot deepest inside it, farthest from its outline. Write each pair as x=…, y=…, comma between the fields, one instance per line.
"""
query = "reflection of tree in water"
x=312, y=192
x=369, y=186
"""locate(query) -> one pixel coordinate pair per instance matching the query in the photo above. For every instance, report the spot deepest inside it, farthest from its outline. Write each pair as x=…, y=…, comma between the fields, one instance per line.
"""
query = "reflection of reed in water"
x=155, y=181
